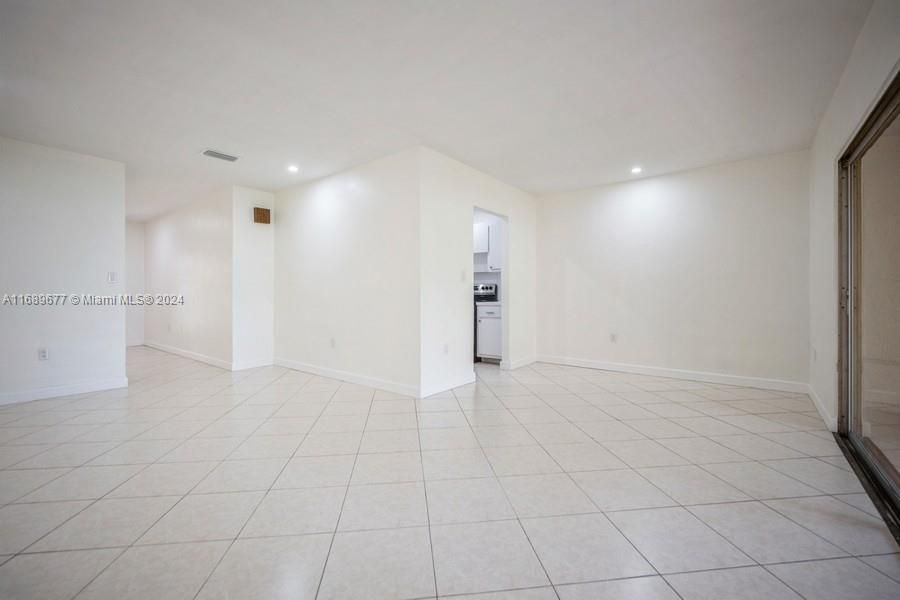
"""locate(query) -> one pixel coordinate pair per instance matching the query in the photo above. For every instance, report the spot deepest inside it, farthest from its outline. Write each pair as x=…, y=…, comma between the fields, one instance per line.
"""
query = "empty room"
x=474, y=300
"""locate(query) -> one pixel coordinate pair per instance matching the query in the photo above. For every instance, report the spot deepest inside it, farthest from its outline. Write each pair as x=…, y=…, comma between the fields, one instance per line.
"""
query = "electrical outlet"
x=43, y=354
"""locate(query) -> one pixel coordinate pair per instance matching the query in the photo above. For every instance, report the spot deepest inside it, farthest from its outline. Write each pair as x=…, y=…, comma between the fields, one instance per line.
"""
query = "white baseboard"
x=780, y=385
x=830, y=420
x=447, y=385
x=509, y=365
x=210, y=360
x=252, y=364
x=381, y=384
x=54, y=391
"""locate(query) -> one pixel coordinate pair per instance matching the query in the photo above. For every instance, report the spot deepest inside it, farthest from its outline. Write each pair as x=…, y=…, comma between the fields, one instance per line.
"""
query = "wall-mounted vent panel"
x=262, y=215
x=219, y=155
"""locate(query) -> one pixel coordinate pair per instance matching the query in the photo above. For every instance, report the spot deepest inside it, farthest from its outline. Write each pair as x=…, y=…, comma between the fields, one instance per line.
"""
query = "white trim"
x=252, y=364
x=53, y=391
x=830, y=421
x=390, y=386
x=437, y=389
x=741, y=380
x=216, y=362
x=509, y=365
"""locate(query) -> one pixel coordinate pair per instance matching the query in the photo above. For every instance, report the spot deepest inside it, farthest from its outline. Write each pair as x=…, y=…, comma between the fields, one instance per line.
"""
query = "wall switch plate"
x=112, y=277
x=446, y=348
x=43, y=354
x=613, y=337
x=332, y=342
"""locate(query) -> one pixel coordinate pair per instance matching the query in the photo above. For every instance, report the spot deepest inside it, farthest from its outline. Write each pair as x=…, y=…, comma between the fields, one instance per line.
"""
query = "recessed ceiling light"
x=293, y=168
x=635, y=170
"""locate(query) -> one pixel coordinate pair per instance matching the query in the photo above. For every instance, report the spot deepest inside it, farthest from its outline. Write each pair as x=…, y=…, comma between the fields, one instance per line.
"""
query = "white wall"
x=134, y=281
x=872, y=64
x=450, y=192
x=62, y=229
x=347, y=274
x=703, y=271
x=252, y=281
x=189, y=252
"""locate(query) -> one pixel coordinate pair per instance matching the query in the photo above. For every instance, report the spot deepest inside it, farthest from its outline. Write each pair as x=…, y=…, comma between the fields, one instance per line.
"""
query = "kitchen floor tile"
x=281, y=568
x=107, y=523
x=482, y=557
x=844, y=526
x=701, y=451
x=745, y=583
x=763, y=534
x=521, y=460
x=23, y=524
x=241, y=476
x=390, y=441
x=692, y=485
x=15, y=484
x=204, y=517
x=759, y=481
x=621, y=490
x=837, y=580
x=545, y=495
x=455, y=464
x=818, y=474
x=589, y=456
x=642, y=588
x=387, y=468
x=295, y=512
x=674, y=540
x=83, y=483
x=384, y=506
x=467, y=500
x=315, y=471
x=583, y=548
x=38, y=576
x=162, y=572
x=169, y=479
x=383, y=564
x=644, y=453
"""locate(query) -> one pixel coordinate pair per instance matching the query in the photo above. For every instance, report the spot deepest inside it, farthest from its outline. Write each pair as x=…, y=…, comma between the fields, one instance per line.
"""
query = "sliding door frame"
x=864, y=456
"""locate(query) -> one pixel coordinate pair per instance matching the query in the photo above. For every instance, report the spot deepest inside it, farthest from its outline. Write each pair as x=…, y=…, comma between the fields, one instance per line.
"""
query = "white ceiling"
x=544, y=94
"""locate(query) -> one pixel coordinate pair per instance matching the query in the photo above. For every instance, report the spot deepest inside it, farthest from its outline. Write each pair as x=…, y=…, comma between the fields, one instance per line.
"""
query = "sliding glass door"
x=870, y=295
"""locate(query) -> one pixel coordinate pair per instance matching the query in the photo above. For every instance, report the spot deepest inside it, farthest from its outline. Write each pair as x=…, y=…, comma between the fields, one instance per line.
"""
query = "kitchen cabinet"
x=489, y=335
x=488, y=247
x=481, y=238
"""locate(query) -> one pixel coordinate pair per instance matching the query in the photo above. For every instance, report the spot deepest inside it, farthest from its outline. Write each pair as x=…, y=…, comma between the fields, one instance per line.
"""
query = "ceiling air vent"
x=220, y=155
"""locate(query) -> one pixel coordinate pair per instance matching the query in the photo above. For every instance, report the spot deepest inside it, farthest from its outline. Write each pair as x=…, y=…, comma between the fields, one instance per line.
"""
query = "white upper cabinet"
x=495, y=254
x=482, y=238
x=487, y=245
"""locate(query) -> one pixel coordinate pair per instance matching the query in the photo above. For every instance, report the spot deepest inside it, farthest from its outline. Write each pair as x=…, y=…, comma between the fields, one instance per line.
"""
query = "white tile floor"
x=545, y=482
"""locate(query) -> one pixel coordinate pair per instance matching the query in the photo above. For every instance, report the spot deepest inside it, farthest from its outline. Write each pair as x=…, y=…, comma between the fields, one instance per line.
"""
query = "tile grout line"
x=506, y=495
x=600, y=511
x=337, y=523
x=271, y=485
x=162, y=516
x=427, y=508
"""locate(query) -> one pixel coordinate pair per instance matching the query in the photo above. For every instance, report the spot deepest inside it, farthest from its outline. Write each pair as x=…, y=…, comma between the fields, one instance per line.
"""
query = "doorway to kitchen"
x=869, y=297
x=490, y=290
